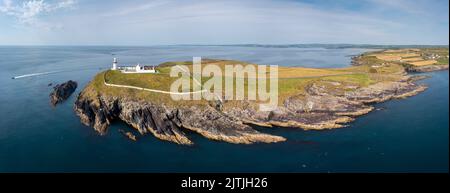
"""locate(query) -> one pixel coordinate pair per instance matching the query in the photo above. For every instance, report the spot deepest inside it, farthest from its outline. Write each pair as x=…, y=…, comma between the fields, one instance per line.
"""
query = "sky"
x=171, y=22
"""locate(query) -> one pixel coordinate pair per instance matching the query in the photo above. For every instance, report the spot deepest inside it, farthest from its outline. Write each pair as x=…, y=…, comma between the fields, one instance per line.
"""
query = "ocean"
x=408, y=135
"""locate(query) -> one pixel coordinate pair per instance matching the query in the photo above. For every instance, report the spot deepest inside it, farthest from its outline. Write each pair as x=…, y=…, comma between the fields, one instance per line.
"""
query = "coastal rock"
x=321, y=104
x=428, y=68
x=317, y=109
x=62, y=91
x=166, y=123
x=384, y=91
x=128, y=134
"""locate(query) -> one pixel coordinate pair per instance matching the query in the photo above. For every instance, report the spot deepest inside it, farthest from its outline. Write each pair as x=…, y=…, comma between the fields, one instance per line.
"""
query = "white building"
x=133, y=69
x=114, y=67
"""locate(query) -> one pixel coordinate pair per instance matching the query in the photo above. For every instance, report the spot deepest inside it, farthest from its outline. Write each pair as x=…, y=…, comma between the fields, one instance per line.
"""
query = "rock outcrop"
x=166, y=123
x=128, y=135
x=62, y=91
x=325, y=109
x=318, y=109
x=428, y=68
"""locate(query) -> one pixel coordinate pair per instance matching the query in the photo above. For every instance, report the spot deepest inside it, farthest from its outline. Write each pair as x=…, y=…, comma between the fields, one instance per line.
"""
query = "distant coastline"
x=326, y=46
x=312, y=45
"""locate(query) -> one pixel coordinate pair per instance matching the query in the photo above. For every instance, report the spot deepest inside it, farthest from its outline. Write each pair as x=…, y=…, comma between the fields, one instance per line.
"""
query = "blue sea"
x=409, y=135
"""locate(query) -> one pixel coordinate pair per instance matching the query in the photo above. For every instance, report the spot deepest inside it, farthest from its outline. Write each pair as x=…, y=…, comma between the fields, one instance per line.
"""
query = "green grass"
x=441, y=51
x=360, y=80
x=151, y=81
x=293, y=81
x=442, y=61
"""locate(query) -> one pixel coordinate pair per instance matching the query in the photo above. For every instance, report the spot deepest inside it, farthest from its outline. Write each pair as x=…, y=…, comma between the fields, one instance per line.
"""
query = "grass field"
x=402, y=50
x=442, y=61
x=292, y=80
x=423, y=63
x=414, y=57
x=395, y=56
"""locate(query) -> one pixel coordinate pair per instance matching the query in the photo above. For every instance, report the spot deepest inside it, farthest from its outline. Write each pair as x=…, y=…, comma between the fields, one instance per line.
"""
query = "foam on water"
x=35, y=74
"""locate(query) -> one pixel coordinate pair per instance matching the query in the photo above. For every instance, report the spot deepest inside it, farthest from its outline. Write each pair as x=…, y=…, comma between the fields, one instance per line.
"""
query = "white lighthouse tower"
x=114, y=67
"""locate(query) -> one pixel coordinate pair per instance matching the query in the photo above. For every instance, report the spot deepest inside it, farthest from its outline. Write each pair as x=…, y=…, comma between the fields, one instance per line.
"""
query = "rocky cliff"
x=319, y=108
x=429, y=68
x=322, y=108
x=166, y=123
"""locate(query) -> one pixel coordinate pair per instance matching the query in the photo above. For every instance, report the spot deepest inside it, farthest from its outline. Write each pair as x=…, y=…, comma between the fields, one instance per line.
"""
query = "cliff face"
x=429, y=68
x=327, y=109
x=319, y=108
x=166, y=123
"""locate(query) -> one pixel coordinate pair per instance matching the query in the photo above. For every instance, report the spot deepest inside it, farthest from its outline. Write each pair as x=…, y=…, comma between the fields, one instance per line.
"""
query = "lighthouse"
x=132, y=69
x=114, y=67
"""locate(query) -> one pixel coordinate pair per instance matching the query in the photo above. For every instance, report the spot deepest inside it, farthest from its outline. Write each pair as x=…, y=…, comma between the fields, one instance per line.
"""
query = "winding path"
x=147, y=89
x=196, y=82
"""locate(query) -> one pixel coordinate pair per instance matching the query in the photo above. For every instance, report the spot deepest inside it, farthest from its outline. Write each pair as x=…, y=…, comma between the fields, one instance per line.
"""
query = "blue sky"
x=162, y=22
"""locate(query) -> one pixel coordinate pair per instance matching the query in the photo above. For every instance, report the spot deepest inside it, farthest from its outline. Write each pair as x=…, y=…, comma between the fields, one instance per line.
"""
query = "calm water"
x=405, y=136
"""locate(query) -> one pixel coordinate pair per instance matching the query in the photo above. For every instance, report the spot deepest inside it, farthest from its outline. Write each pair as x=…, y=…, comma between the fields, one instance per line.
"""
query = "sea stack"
x=62, y=91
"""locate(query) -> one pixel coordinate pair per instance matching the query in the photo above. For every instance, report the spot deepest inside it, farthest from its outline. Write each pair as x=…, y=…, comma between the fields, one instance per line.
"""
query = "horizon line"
x=232, y=44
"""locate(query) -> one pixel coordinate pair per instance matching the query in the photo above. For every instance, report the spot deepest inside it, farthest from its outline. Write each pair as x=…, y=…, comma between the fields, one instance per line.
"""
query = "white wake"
x=35, y=74
x=52, y=72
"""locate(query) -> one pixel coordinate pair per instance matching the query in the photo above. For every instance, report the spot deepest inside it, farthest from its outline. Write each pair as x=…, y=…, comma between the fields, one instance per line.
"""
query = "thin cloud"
x=143, y=22
x=137, y=9
x=400, y=5
x=294, y=16
x=29, y=11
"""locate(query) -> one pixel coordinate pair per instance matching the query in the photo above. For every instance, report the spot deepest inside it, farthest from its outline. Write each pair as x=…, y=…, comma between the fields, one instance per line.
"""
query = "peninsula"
x=309, y=98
